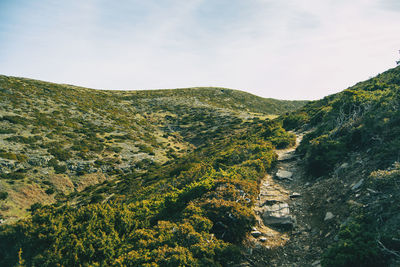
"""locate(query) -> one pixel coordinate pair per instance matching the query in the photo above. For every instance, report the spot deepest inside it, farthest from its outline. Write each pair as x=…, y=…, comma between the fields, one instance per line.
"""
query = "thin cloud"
x=303, y=49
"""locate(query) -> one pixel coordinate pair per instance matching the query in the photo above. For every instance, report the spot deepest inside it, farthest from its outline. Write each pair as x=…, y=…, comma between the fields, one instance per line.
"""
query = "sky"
x=285, y=49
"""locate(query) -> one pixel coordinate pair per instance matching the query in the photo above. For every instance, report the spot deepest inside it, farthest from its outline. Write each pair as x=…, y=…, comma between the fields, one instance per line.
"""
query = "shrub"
x=322, y=155
x=50, y=191
x=3, y=195
x=96, y=198
x=14, y=119
x=12, y=176
x=60, y=169
x=295, y=120
x=7, y=131
x=357, y=246
x=60, y=153
x=145, y=149
x=12, y=156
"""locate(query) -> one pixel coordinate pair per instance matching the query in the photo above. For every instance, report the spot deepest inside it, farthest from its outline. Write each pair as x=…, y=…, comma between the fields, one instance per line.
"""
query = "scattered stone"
x=286, y=156
x=278, y=214
x=263, y=239
x=328, y=234
x=344, y=165
x=295, y=195
x=316, y=263
x=269, y=202
x=328, y=216
x=254, y=229
x=358, y=185
x=256, y=233
x=284, y=174
x=372, y=191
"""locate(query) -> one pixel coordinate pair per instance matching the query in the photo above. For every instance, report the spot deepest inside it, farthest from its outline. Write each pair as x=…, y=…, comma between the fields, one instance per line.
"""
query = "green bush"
x=322, y=155
x=145, y=149
x=12, y=156
x=3, y=195
x=12, y=176
x=7, y=131
x=357, y=246
x=50, y=191
x=15, y=119
x=60, y=153
x=295, y=120
x=60, y=169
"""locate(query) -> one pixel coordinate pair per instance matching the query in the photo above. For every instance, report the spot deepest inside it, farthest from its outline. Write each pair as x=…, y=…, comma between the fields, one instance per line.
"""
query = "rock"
x=256, y=233
x=287, y=156
x=39, y=161
x=344, y=165
x=295, y=194
x=263, y=239
x=277, y=214
x=8, y=164
x=329, y=216
x=284, y=174
x=316, y=263
x=358, y=185
x=372, y=191
x=258, y=246
x=254, y=229
x=269, y=202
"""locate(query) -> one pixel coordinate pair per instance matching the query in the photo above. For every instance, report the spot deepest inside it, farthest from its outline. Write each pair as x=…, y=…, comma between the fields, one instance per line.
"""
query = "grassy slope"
x=355, y=136
x=57, y=139
x=173, y=208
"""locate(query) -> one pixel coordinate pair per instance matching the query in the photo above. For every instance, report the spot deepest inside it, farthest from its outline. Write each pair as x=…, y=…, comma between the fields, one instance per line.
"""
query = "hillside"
x=350, y=156
x=136, y=178
x=218, y=185
x=58, y=139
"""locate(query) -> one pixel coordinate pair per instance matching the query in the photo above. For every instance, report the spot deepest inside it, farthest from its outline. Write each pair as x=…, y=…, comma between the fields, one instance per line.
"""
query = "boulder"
x=256, y=233
x=263, y=239
x=281, y=174
x=286, y=156
x=278, y=215
x=295, y=195
x=329, y=216
x=357, y=185
x=38, y=160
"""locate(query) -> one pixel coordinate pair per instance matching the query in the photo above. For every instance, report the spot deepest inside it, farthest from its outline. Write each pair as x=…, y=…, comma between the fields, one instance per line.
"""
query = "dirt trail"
x=283, y=236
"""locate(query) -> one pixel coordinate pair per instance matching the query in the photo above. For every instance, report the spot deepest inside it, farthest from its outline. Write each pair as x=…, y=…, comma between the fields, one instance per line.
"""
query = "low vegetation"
x=49, y=129
x=194, y=211
x=354, y=136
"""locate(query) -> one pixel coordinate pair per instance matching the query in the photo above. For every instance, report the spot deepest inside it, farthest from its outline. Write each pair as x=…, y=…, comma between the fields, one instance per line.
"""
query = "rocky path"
x=283, y=236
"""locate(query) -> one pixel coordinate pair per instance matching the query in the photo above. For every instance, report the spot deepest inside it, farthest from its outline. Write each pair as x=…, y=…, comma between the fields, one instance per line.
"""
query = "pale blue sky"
x=288, y=49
